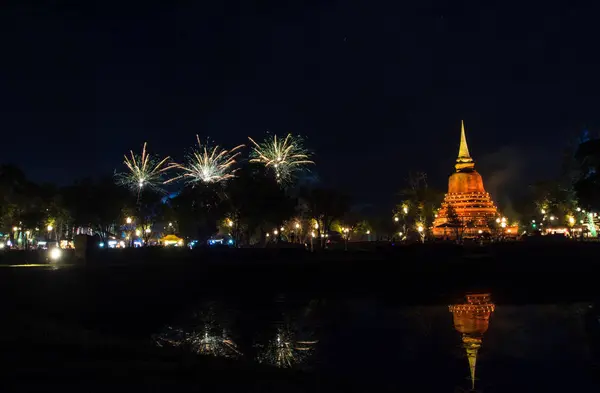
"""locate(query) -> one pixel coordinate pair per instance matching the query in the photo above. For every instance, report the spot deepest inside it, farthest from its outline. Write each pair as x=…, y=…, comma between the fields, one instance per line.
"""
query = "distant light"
x=480, y=231
x=148, y=230
x=281, y=229
x=503, y=225
x=533, y=221
x=368, y=232
x=420, y=228
x=100, y=244
x=543, y=211
x=578, y=209
x=55, y=253
x=552, y=218
x=508, y=230
x=297, y=225
x=267, y=235
x=137, y=232
x=15, y=229
x=170, y=224
x=128, y=220
x=1, y=246
x=230, y=241
x=316, y=225
x=405, y=209
x=497, y=220
x=275, y=232
x=49, y=228
x=396, y=219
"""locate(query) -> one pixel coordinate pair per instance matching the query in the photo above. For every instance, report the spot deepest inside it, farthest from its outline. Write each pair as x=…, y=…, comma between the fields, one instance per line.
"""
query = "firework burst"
x=208, y=164
x=143, y=171
x=284, y=156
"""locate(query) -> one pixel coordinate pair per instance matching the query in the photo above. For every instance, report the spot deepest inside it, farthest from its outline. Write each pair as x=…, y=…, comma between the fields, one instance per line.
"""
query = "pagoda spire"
x=472, y=345
x=464, y=162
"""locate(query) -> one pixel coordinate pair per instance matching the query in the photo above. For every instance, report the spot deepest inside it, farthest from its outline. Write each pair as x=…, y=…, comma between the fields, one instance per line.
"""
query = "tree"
x=418, y=205
x=325, y=206
x=197, y=209
x=455, y=223
x=97, y=205
x=587, y=183
x=255, y=201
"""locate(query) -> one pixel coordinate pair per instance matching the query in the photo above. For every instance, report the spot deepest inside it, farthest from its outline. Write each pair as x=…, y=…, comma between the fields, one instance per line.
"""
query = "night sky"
x=377, y=88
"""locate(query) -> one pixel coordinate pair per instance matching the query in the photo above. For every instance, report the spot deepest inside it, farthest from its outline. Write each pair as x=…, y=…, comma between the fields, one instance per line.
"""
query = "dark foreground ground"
x=85, y=327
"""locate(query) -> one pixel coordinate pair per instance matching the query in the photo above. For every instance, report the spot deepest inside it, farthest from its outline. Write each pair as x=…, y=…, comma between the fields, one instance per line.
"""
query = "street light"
x=297, y=226
x=420, y=228
x=275, y=232
x=49, y=228
x=396, y=219
x=15, y=229
x=170, y=224
x=503, y=225
x=148, y=230
x=316, y=225
x=137, y=232
x=405, y=209
x=128, y=220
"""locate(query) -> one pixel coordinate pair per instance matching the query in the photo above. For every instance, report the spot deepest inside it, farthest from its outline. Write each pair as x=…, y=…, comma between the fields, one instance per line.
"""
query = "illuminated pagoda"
x=466, y=195
x=472, y=319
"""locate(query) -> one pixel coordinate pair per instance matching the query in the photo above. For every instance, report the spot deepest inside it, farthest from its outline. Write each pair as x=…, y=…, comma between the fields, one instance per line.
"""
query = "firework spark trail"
x=145, y=171
x=284, y=351
x=208, y=164
x=283, y=157
x=204, y=342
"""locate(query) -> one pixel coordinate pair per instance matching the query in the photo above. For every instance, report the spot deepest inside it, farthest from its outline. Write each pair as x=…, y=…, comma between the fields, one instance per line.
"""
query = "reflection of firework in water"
x=284, y=156
x=143, y=171
x=284, y=351
x=204, y=342
x=208, y=164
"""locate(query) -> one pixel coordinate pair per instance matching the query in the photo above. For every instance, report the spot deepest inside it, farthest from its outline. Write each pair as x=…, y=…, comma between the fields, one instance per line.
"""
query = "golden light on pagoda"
x=466, y=198
x=472, y=319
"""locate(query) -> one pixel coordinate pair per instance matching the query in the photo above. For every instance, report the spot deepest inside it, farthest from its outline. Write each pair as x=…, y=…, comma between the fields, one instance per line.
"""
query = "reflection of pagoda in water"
x=472, y=319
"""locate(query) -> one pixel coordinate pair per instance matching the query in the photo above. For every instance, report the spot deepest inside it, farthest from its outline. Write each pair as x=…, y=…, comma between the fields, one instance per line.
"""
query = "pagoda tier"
x=466, y=195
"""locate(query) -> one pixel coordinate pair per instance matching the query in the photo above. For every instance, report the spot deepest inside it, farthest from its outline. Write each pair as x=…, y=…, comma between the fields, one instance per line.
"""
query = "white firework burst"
x=207, y=164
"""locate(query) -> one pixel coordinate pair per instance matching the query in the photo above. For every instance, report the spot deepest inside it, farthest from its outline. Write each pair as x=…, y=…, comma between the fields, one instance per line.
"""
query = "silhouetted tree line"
x=253, y=201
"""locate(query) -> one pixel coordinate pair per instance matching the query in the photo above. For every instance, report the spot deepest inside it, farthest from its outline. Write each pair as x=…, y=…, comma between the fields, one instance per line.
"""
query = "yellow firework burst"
x=144, y=171
x=285, y=156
